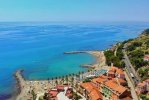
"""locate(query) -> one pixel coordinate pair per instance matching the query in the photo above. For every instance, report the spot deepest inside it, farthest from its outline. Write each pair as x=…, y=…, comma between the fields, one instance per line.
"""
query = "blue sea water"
x=38, y=48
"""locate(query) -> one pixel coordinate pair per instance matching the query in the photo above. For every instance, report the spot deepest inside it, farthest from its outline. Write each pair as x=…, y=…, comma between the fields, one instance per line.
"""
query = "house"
x=60, y=87
x=90, y=91
x=147, y=84
x=69, y=93
x=115, y=72
x=99, y=80
x=146, y=58
x=53, y=94
x=111, y=72
x=143, y=87
x=120, y=73
x=110, y=86
x=111, y=89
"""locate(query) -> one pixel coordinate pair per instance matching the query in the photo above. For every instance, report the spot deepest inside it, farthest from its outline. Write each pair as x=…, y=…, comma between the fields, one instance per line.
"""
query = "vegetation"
x=136, y=49
x=143, y=72
x=87, y=80
x=146, y=32
x=76, y=96
x=136, y=58
x=144, y=97
x=34, y=95
x=115, y=57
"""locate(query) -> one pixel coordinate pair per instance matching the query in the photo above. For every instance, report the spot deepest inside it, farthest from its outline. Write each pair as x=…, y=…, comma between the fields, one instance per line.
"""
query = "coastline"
x=41, y=86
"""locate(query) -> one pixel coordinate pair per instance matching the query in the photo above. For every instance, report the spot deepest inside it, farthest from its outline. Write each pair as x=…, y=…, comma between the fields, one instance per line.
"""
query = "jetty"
x=21, y=82
x=75, y=52
x=87, y=66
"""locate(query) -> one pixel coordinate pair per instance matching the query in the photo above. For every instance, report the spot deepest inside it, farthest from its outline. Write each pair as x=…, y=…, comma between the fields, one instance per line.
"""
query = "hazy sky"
x=74, y=10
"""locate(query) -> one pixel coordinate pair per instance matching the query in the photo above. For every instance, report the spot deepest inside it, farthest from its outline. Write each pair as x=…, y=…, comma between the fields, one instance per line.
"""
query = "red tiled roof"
x=61, y=87
x=95, y=95
x=110, y=72
x=113, y=68
x=98, y=80
x=147, y=80
x=92, y=90
x=121, y=81
x=53, y=92
x=119, y=71
x=114, y=97
x=120, y=89
x=104, y=77
x=141, y=84
x=146, y=57
x=127, y=98
x=87, y=86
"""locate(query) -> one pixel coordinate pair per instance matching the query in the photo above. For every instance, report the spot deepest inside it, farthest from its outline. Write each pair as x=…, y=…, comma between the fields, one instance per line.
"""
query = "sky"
x=74, y=10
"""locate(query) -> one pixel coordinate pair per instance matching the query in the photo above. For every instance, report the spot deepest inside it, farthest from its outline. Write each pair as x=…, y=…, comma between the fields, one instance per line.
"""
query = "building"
x=114, y=91
x=69, y=93
x=143, y=87
x=110, y=86
x=120, y=73
x=115, y=72
x=90, y=91
x=146, y=58
x=53, y=94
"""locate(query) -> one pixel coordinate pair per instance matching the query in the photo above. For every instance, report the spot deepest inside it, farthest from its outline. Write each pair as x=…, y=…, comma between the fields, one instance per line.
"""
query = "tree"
x=34, y=95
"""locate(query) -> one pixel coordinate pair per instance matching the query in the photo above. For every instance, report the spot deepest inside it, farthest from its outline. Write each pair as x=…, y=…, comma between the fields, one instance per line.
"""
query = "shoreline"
x=40, y=86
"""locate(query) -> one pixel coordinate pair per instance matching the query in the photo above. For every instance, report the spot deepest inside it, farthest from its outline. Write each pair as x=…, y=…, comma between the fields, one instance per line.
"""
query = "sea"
x=38, y=48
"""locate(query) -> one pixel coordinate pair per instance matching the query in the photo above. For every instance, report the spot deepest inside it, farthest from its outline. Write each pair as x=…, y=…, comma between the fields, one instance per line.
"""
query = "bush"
x=131, y=47
x=144, y=97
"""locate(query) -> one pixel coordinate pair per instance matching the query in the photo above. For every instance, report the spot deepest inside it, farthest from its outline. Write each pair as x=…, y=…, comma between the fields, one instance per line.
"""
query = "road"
x=130, y=68
x=132, y=88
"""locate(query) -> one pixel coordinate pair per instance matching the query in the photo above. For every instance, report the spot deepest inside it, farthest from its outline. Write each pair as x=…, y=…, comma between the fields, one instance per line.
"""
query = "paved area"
x=133, y=93
x=130, y=68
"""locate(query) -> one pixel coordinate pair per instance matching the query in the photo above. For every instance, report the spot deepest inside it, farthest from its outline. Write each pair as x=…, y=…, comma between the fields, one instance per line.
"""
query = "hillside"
x=136, y=49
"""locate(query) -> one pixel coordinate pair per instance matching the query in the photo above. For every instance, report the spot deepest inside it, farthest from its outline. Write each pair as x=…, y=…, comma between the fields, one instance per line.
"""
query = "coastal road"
x=132, y=73
x=132, y=88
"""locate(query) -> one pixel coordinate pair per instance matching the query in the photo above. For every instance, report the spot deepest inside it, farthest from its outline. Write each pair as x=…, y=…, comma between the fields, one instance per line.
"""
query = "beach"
x=41, y=86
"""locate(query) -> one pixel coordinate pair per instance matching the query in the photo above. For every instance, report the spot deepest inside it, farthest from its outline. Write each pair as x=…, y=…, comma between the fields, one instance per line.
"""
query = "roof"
x=98, y=80
x=147, y=80
x=113, y=68
x=53, y=92
x=103, y=76
x=120, y=89
x=119, y=71
x=115, y=97
x=141, y=84
x=111, y=72
x=61, y=87
x=95, y=95
x=127, y=98
x=87, y=86
x=121, y=81
x=92, y=90
x=146, y=56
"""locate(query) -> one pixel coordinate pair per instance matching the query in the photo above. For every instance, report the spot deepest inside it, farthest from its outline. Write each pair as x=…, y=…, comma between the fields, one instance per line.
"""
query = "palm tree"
x=67, y=79
x=52, y=80
x=62, y=79
x=72, y=81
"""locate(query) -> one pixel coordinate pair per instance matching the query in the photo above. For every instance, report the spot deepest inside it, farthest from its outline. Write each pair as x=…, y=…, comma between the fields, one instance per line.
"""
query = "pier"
x=87, y=66
x=75, y=52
